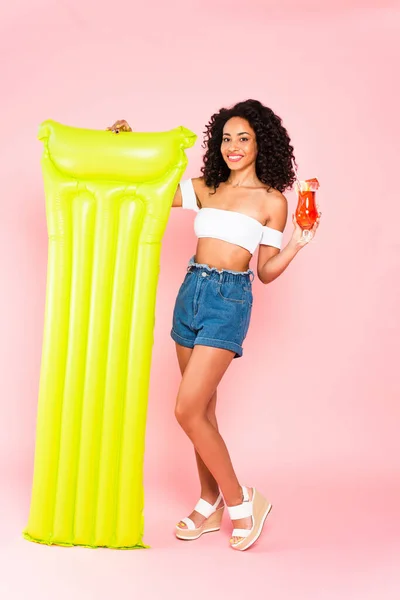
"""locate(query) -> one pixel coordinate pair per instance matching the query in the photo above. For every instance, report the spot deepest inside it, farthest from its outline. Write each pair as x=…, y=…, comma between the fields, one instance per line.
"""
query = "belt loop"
x=251, y=276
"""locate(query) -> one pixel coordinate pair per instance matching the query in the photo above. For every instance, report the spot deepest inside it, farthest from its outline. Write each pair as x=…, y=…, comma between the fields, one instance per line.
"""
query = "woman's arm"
x=277, y=263
x=177, y=201
x=271, y=261
x=197, y=185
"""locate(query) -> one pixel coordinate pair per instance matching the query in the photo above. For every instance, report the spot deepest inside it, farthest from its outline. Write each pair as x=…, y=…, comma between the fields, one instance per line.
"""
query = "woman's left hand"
x=118, y=126
x=297, y=238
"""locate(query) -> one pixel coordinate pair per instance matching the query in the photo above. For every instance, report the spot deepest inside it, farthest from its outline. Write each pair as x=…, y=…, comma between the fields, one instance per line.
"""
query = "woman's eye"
x=245, y=139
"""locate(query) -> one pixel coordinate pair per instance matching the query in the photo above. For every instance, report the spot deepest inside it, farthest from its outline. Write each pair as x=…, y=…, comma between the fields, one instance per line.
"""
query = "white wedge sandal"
x=212, y=523
x=257, y=508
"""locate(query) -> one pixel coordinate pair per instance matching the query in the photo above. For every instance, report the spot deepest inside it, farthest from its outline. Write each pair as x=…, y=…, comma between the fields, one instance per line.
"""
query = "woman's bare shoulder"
x=271, y=194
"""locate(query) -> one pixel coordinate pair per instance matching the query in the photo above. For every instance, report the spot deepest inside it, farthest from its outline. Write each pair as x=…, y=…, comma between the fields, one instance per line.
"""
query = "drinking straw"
x=296, y=176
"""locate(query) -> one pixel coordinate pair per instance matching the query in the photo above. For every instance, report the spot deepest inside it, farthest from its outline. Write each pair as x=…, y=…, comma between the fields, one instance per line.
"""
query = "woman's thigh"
x=183, y=353
x=203, y=371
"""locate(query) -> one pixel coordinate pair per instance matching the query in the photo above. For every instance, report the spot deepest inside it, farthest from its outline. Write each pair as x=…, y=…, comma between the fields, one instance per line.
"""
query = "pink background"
x=311, y=412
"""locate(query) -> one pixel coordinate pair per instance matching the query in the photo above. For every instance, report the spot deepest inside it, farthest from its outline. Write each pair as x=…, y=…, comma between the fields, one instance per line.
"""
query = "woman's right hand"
x=120, y=126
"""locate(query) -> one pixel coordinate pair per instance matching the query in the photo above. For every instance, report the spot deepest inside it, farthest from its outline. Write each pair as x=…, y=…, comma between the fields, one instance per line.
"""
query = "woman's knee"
x=186, y=413
x=182, y=413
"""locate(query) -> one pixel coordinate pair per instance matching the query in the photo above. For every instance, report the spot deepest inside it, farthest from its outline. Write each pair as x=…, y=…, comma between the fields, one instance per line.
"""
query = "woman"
x=239, y=204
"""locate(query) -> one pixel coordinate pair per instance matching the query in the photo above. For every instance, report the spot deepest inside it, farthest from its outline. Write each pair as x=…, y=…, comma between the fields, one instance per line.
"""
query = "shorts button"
x=204, y=274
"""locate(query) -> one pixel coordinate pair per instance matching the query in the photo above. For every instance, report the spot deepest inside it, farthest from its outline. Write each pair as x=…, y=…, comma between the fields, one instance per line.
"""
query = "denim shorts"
x=213, y=308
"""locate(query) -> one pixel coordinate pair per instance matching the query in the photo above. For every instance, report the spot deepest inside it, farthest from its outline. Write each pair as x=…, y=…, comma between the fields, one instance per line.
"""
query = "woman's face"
x=238, y=146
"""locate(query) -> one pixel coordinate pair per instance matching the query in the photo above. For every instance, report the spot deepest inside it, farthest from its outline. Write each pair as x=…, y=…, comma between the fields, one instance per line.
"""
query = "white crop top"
x=228, y=225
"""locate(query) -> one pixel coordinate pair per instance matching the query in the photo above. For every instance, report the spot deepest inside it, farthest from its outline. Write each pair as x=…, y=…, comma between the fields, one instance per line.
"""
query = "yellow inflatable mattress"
x=108, y=199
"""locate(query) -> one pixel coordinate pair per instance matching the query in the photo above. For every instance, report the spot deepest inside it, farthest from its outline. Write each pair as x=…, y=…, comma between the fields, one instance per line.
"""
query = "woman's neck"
x=243, y=178
x=242, y=182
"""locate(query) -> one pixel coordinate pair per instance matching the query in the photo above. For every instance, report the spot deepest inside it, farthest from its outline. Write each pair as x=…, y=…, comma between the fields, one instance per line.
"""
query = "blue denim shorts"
x=213, y=308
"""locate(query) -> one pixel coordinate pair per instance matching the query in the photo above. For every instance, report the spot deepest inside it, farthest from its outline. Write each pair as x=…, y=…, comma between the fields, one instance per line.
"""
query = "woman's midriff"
x=222, y=255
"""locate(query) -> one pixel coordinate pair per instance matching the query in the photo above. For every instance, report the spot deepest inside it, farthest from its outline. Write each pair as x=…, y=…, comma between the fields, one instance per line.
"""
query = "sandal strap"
x=205, y=508
x=241, y=533
x=241, y=511
x=189, y=523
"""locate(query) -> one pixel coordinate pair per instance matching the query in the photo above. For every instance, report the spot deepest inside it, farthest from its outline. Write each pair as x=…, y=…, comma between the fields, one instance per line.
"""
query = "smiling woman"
x=239, y=203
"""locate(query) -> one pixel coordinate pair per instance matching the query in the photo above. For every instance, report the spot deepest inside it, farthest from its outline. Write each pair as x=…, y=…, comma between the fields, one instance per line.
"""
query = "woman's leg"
x=203, y=372
x=208, y=486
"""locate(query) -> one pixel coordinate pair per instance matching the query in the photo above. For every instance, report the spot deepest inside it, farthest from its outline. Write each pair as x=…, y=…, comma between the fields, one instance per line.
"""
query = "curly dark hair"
x=275, y=153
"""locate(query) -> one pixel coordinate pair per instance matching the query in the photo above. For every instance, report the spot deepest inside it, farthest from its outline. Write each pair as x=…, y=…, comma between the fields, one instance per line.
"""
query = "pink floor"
x=323, y=540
